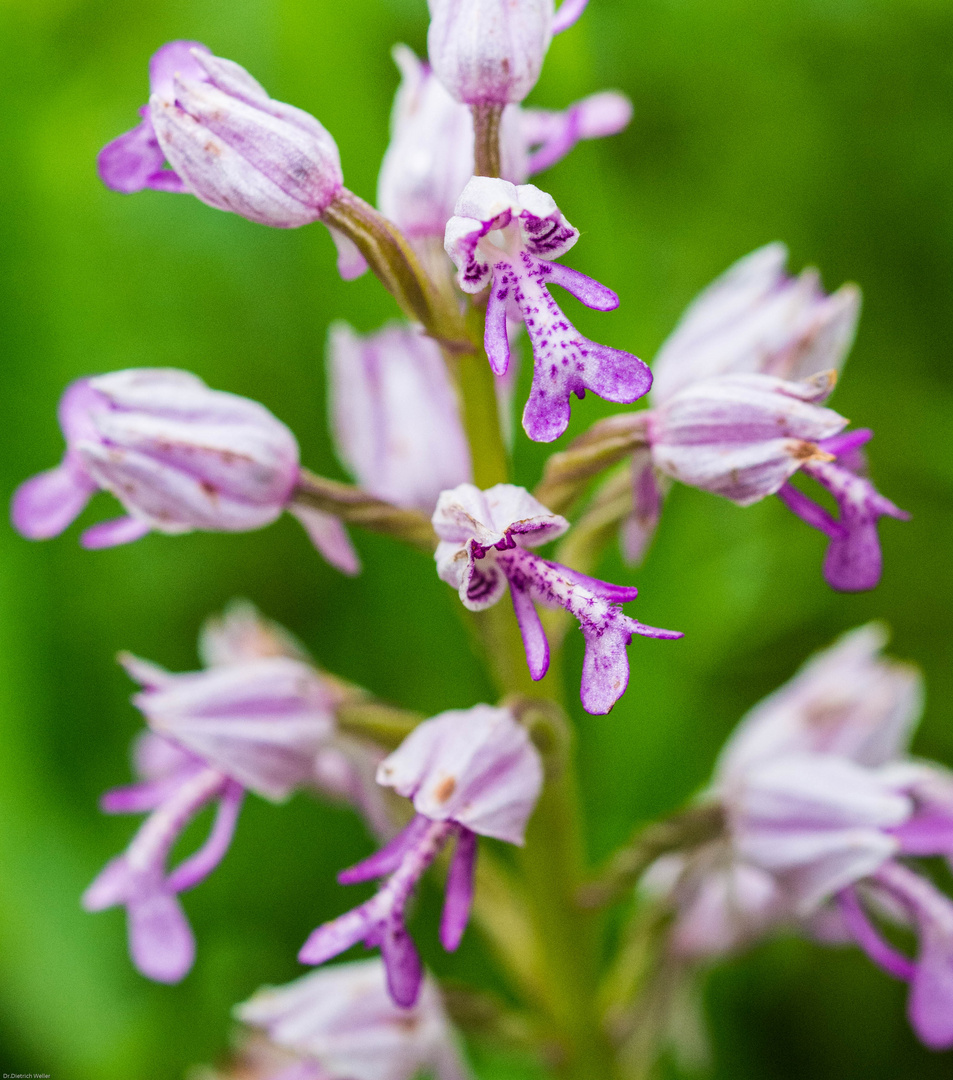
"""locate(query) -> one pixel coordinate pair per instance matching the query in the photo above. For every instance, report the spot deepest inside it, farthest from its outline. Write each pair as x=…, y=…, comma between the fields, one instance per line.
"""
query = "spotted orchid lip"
x=482, y=552
x=519, y=271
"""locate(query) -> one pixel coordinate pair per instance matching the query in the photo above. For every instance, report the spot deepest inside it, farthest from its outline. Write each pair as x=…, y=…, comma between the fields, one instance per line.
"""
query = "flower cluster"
x=820, y=813
x=824, y=811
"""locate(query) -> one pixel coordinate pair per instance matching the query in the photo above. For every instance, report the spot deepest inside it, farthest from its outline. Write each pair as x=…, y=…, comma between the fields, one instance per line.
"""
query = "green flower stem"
x=395, y=263
x=558, y=971
x=481, y=414
x=486, y=139
x=357, y=507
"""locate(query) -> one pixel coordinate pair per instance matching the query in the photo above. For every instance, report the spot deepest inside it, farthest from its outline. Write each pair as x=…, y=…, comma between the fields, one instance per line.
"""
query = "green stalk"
x=566, y=965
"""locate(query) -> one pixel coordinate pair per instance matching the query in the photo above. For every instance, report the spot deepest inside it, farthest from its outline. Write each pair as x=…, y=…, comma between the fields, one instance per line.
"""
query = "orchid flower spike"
x=395, y=415
x=430, y=157
x=503, y=236
x=484, y=542
x=225, y=141
x=342, y=1020
x=745, y=436
x=178, y=456
x=257, y=720
x=822, y=803
x=468, y=773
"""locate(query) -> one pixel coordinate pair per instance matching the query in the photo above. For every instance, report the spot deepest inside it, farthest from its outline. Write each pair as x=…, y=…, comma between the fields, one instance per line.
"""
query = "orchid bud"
x=395, y=415
x=226, y=141
x=755, y=318
x=477, y=767
x=342, y=1020
x=742, y=436
x=849, y=700
x=260, y=721
x=489, y=52
x=178, y=456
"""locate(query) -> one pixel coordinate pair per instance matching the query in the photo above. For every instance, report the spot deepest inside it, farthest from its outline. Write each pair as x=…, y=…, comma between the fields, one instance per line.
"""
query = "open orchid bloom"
x=505, y=236
x=259, y=718
x=467, y=773
x=483, y=549
x=745, y=436
x=430, y=157
x=178, y=456
x=395, y=416
x=225, y=141
x=342, y=1020
x=736, y=411
x=821, y=802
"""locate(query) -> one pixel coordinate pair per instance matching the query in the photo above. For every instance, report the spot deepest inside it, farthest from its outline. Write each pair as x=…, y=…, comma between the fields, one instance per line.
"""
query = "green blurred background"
x=825, y=123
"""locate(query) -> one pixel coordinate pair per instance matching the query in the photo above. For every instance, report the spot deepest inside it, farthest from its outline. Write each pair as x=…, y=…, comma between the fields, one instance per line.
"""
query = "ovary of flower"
x=504, y=236
x=484, y=537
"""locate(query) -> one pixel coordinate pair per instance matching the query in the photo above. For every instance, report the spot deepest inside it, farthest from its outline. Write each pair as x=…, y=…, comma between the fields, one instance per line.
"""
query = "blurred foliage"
x=825, y=123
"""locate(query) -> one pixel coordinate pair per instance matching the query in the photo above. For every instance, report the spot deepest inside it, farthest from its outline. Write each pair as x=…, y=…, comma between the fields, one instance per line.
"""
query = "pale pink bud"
x=176, y=454
x=742, y=436
x=489, y=51
x=227, y=142
x=476, y=767
x=342, y=1019
x=755, y=318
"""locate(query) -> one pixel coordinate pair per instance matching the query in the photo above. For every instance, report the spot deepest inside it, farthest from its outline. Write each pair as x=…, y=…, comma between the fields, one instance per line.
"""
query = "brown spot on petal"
x=807, y=451
x=443, y=790
x=209, y=489
x=212, y=148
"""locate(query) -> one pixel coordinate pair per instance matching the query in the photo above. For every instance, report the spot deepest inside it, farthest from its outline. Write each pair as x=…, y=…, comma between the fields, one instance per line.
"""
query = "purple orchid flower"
x=821, y=805
x=492, y=51
x=759, y=347
x=343, y=1020
x=226, y=141
x=468, y=773
x=430, y=157
x=259, y=720
x=506, y=235
x=178, y=456
x=395, y=416
x=484, y=537
x=744, y=437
